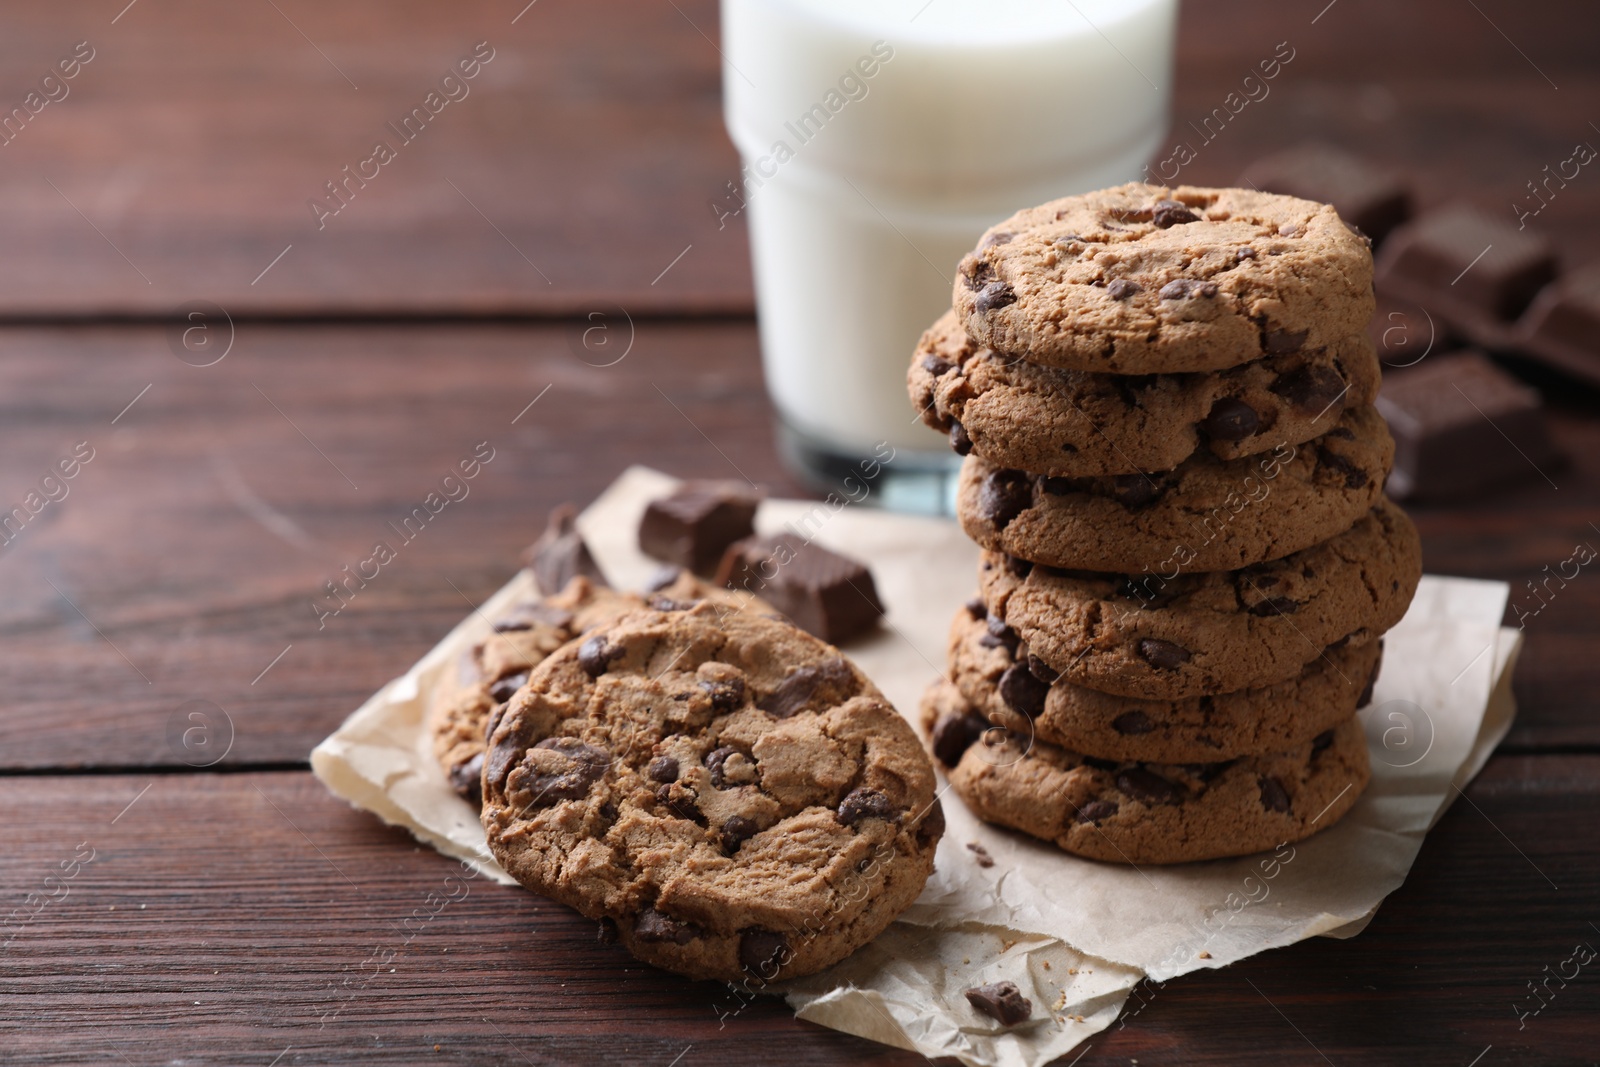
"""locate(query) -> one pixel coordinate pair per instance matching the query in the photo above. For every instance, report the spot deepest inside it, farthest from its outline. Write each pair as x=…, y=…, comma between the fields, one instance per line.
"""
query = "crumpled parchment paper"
x=1075, y=935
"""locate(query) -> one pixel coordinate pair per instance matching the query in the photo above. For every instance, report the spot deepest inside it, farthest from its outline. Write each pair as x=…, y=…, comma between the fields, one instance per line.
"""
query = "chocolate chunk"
x=954, y=734
x=1019, y=566
x=736, y=830
x=1147, y=786
x=959, y=441
x=1466, y=263
x=994, y=296
x=560, y=555
x=1231, y=420
x=1121, y=288
x=1354, y=476
x=1375, y=200
x=1001, y=1001
x=829, y=595
x=1134, y=490
x=1275, y=605
x=505, y=688
x=595, y=656
x=527, y=615
x=1273, y=795
x=1000, y=635
x=936, y=366
x=1461, y=425
x=1562, y=328
x=662, y=769
x=680, y=803
x=1321, y=742
x=1042, y=670
x=1163, y=654
x=1132, y=722
x=653, y=926
x=1169, y=213
x=864, y=803
x=820, y=687
x=999, y=237
x=731, y=768
x=1366, y=691
x=1311, y=387
x=763, y=952
x=1285, y=342
x=696, y=523
x=467, y=779
x=977, y=608
x=570, y=776
x=1004, y=495
x=1096, y=810
x=1183, y=288
x=727, y=694
x=931, y=827
x=1244, y=252
x=1022, y=692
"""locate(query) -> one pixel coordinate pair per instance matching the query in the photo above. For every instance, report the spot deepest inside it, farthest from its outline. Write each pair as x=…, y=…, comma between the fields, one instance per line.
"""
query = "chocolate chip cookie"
x=989, y=666
x=1051, y=421
x=1137, y=813
x=1194, y=633
x=1141, y=279
x=728, y=791
x=488, y=673
x=1208, y=514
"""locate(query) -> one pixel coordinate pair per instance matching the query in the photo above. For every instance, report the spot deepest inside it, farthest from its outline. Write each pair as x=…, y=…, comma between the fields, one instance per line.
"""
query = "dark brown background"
x=224, y=907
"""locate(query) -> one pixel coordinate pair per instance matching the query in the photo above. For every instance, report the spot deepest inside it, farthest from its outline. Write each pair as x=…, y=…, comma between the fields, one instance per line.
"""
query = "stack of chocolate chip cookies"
x=1175, y=470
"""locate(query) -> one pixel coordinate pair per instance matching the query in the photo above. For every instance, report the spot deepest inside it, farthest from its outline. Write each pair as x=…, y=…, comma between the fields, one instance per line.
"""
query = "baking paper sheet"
x=1075, y=935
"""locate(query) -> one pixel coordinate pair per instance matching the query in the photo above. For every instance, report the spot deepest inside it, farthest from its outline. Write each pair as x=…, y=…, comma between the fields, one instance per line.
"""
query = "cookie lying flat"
x=1141, y=279
x=1051, y=421
x=1139, y=813
x=1209, y=514
x=728, y=790
x=488, y=673
x=1213, y=632
x=989, y=667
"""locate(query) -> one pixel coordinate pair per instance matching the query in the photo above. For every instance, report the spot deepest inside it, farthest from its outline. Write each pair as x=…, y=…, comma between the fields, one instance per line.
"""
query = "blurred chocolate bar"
x=1370, y=198
x=1462, y=425
x=824, y=593
x=695, y=524
x=1476, y=272
x=560, y=554
x=1562, y=328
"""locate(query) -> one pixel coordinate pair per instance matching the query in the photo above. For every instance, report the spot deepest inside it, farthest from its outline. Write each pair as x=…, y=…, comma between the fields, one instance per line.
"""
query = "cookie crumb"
x=980, y=854
x=1046, y=964
x=1205, y=955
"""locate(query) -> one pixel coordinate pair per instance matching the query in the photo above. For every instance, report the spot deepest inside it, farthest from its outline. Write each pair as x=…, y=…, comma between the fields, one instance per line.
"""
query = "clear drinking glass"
x=879, y=138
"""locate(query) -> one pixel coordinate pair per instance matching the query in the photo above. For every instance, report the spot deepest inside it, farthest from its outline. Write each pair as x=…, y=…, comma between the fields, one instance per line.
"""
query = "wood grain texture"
x=227, y=918
x=586, y=155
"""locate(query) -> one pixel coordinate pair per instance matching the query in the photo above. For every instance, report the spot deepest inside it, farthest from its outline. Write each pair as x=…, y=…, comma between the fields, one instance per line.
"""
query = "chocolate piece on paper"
x=1562, y=328
x=1462, y=425
x=824, y=593
x=1001, y=1001
x=1369, y=198
x=560, y=554
x=1477, y=272
x=695, y=524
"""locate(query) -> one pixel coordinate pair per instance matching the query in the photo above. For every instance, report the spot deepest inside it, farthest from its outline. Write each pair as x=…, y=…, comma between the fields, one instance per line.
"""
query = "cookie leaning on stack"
x=1164, y=397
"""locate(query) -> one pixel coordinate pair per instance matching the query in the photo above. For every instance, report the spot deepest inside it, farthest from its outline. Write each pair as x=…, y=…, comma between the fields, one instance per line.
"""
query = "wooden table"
x=236, y=913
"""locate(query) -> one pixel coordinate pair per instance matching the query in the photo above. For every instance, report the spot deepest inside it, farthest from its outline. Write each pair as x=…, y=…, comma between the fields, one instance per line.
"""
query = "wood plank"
x=227, y=918
x=587, y=152
x=195, y=540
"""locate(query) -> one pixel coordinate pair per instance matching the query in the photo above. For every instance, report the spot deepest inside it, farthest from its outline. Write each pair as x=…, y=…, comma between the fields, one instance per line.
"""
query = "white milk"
x=859, y=214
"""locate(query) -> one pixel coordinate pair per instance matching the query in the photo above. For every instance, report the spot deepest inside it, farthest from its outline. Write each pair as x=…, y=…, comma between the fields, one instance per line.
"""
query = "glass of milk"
x=879, y=139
